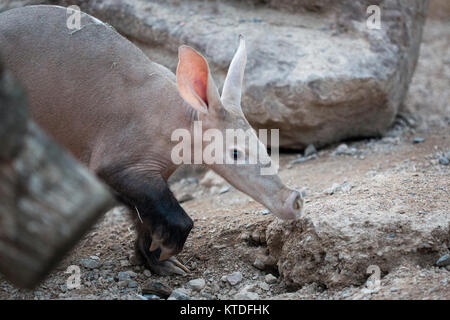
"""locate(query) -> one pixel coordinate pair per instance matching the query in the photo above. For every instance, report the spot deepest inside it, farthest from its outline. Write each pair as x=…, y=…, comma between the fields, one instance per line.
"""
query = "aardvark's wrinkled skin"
x=115, y=110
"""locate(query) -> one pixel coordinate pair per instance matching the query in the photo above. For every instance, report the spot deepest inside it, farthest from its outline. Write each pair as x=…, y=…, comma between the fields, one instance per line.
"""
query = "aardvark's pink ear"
x=194, y=81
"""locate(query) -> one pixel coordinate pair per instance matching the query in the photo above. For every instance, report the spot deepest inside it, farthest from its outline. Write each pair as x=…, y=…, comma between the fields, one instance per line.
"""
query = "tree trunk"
x=47, y=199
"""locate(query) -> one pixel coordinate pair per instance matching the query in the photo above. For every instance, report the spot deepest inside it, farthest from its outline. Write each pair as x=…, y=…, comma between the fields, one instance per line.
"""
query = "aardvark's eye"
x=235, y=153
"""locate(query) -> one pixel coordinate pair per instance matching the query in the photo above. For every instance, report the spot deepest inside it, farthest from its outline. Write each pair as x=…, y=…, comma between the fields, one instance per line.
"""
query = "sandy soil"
x=227, y=223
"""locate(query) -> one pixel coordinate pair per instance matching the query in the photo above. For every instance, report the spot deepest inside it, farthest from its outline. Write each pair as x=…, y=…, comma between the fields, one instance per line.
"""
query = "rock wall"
x=315, y=71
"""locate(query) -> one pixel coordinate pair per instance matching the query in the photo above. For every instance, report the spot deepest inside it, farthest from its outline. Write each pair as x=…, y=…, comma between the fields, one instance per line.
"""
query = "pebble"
x=393, y=289
x=444, y=161
x=151, y=297
x=234, y=278
x=333, y=189
x=343, y=149
x=224, y=190
x=156, y=288
x=125, y=263
x=270, y=278
x=258, y=264
x=246, y=295
x=310, y=150
x=90, y=263
x=179, y=294
x=132, y=284
x=147, y=273
x=197, y=284
x=443, y=261
x=122, y=276
x=185, y=197
x=418, y=140
x=264, y=286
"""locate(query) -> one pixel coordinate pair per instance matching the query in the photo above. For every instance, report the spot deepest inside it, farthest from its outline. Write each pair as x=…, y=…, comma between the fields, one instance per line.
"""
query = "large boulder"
x=315, y=70
x=343, y=235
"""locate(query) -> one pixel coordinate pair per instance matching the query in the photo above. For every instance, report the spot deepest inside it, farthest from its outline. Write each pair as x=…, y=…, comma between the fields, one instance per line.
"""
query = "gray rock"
x=132, y=284
x=444, y=161
x=179, y=294
x=258, y=264
x=443, y=261
x=333, y=189
x=197, y=284
x=224, y=190
x=418, y=140
x=270, y=279
x=156, y=288
x=264, y=286
x=234, y=278
x=344, y=149
x=310, y=150
x=90, y=263
x=185, y=197
x=122, y=276
x=147, y=273
x=326, y=80
x=246, y=295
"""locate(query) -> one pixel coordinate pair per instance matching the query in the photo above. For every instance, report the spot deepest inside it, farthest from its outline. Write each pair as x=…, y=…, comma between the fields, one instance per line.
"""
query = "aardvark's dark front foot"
x=151, y=258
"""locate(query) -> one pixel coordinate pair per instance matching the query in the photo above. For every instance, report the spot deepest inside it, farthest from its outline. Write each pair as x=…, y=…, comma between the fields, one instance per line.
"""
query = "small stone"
x=124, y=263
x=444, y=161
x=343, y=149
x=156, y=288
x=90, y=263
x=123, y=283
x=333, y=189
x=152, y=297
x=179, y=294
x=147, y=273
x=264, y=286
x=270, y=278
x=185, y=197
x=122, y=276
x=418, y=140
x=132, y=274
x=211, y=179
x=367, y=291
x=197, y=284
x=265, y=212
x=234, y=278
x=310, y=150
x=258, y=264
x=132, y=284
x=224, y=190
x=443, y=261
x=246, y=295
x=393, y=289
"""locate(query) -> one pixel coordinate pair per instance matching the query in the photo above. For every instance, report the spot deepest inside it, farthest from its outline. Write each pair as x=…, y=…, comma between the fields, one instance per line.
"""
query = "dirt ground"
x=223, y=241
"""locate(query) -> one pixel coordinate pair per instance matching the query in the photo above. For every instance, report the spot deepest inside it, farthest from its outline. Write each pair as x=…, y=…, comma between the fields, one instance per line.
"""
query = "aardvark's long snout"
x=292, y=207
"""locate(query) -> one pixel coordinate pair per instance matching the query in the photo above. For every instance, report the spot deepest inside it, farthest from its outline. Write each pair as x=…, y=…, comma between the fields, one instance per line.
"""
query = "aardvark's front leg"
x=162, y=224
